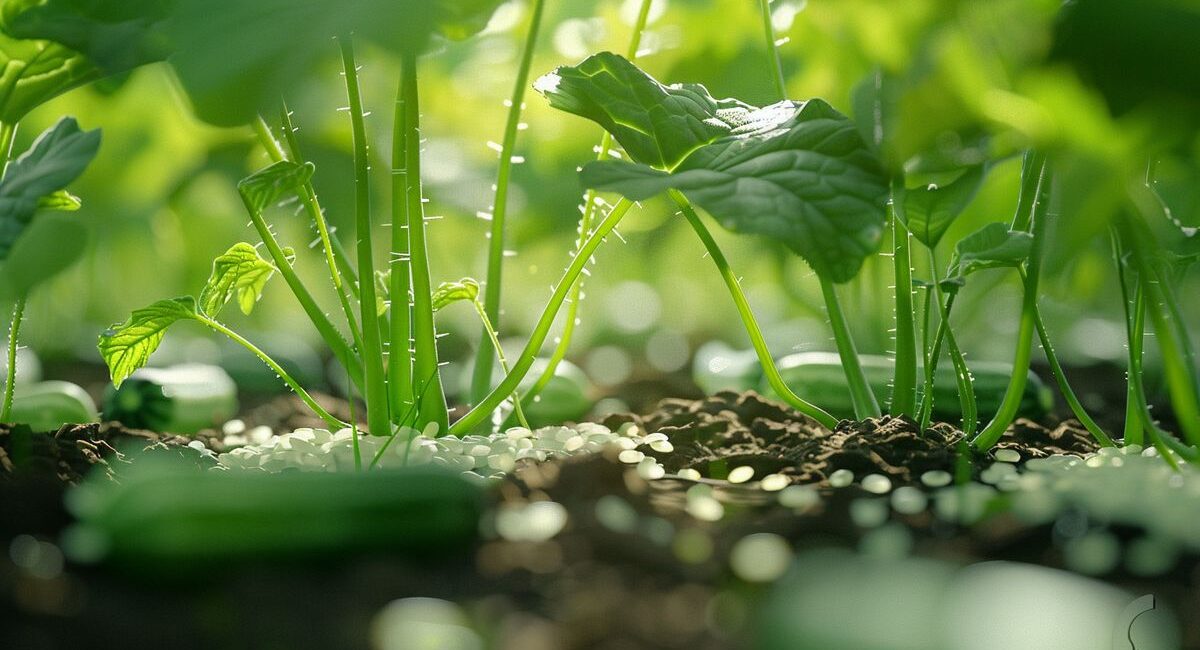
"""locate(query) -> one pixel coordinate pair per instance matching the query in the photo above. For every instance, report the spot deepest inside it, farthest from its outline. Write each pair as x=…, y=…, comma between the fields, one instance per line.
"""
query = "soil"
x=595, y=585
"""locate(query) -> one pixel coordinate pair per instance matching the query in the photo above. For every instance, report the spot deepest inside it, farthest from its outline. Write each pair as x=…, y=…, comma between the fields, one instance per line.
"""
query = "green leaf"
x=57, y=157
x=50, y=245
x=239, y=271
x=128, y=346
x=62, y=201
x=929, y=211
x=993, y=246
x=115, y=36
x=32, y=72
x=263, y=188
x=449, y=293
x=657, y=125
x=235, y=58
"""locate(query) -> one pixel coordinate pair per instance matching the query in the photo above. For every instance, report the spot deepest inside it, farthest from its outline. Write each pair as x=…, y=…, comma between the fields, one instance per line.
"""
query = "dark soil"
x=591, y=586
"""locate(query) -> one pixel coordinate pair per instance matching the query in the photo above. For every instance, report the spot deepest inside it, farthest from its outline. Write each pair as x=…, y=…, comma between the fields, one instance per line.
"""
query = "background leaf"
x=48, y=246
x=239, y=271
x=115, y=36
x=32, y=72
x=128, y=346
x=57, y=157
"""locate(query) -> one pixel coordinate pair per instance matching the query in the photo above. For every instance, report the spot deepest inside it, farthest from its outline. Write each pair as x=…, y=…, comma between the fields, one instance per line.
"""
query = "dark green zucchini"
x=179, y=399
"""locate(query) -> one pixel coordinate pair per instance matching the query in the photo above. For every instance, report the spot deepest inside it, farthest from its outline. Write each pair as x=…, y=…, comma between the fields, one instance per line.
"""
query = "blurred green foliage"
x=969, y=80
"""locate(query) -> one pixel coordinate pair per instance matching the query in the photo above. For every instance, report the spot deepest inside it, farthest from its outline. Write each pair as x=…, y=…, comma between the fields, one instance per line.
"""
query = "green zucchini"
x=819, y=378
x=166, y=516
x=564, y=399
x=180, y=399
x=47, y=405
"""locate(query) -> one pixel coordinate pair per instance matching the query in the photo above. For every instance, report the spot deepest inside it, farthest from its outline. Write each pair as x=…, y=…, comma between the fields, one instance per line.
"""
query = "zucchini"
x=819, y=378
x=164, y=515
x=180, y=399
x=47, y=405
x=564, y=399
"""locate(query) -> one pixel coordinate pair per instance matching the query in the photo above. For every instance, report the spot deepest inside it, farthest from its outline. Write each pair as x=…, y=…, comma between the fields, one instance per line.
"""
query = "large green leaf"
x=128, y=346
x=239, y=271
x=50, y=245
x=930, y=210
x=798, y=172
x=57, y=158
x=115, y=36
x=992, y=246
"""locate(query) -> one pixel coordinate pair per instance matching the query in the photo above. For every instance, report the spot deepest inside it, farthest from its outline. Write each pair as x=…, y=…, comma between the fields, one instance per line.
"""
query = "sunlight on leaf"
x=128, y=346
x=239, y=271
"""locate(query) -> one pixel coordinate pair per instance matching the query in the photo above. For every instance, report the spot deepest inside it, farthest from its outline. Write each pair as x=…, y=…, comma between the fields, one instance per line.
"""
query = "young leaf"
x=57, y=158
x=128, y=346
x=267, y=185
x=62, y=200
x=993, y=246
x=448, y=293
x=238, y=271
x=929, y=211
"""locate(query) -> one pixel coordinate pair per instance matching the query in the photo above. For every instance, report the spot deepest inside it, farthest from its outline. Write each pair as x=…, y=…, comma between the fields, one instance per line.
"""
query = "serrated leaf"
x=57, y=157
x=929, y=211
x=238, y=271
x=263, y=188
x=449, y=293
x=993, y=246
x=116, y=36
x=62, y=201
x=127, y=347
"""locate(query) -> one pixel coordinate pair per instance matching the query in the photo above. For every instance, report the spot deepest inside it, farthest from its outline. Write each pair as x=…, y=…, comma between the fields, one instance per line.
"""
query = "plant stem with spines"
x=541, y=330
x=904, y=382
x=865, y=403
x=590, y=202
x=425, y=361
x=482, y=377
x=337, y=345
x=8, y=134
x=375, y=395
x=400, y=310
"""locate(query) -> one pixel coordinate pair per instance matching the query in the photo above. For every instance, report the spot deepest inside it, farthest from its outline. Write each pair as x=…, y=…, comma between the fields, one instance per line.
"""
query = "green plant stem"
x=968, y=405
x=375, y=394
x=748, y=320
x=276, y=153
x=8, y=133
x=400, y=336
x=1016, y=386
x=865, y=403
x=1064, y=386
x=590, y=206
x=425, y=361
x=904, y=382
x=334, y=423
x=337, y=345
x=482, y=378
x=1136, y=330
x=541, y=330
x=14, y=333
x=494, y=338
x=309, y=197
x=764, y=7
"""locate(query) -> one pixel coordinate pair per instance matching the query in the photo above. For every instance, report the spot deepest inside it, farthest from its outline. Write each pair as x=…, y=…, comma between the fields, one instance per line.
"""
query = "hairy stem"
x=400, y=353
x=591, y=203
x=541, y=330
x=748, y=319
x=904, y=382
x=1016, y=386
x=425, y=362
x=334, y=423
x=482, y=377
x=14, y=333
x=375, y=393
